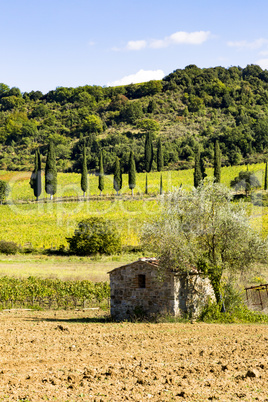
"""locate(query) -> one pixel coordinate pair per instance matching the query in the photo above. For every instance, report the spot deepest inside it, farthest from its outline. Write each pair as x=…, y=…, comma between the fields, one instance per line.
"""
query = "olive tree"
x=206, y=230
x=246, y=181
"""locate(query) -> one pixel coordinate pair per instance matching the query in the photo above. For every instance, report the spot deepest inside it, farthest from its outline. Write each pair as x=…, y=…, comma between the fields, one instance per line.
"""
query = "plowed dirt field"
x=74, y=356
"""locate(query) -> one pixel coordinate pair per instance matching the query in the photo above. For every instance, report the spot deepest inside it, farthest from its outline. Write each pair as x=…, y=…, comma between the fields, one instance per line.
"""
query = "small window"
x=141, y=281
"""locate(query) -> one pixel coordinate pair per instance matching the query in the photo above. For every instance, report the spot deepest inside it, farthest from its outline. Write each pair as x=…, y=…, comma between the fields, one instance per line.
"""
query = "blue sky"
x=50, y=43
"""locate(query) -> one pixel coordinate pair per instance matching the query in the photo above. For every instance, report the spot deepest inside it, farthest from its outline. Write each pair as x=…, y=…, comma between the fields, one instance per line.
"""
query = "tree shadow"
x=82, y=320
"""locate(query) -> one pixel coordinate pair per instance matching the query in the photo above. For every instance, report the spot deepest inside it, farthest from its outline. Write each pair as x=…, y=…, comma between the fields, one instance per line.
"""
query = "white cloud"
x=243, y=44
x=190, y=38
x=140, y=76
x=263, y=63
x=181, y=38
x=136, y=44
x=177, y=38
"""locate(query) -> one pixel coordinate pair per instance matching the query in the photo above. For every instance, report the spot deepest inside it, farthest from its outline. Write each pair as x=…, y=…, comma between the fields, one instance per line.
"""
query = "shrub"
x=236, y=310
x=8, y=247
x=95, y=235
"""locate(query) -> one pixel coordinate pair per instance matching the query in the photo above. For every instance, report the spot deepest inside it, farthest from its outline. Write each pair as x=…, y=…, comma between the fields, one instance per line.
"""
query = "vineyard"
x=69, y=183
x=51, y=293
x=45, y=225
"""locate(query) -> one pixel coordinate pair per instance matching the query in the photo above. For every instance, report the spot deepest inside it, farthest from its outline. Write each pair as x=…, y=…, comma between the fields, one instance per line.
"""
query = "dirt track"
x=65, y=356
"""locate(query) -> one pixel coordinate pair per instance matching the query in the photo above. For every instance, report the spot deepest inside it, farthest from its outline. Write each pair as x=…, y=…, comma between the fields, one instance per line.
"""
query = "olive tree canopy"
x=204, y=229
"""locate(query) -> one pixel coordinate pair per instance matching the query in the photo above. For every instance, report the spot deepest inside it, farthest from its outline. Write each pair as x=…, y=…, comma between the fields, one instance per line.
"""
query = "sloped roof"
x=154, y=262
x=151, y=261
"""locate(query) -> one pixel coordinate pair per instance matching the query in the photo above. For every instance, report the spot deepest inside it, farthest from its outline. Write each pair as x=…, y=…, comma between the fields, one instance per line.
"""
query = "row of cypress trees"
x=51, y=170
x=117, y=182
x=51, y=173
x=117, y=173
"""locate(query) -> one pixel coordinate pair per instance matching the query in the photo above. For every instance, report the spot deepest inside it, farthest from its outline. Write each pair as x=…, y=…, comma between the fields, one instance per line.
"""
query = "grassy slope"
x=69, y=183
x=47, y=224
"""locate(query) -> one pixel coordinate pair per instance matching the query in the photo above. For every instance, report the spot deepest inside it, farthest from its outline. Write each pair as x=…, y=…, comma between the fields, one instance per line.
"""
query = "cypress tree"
x=51, y=171
x=197, y=169
x=101, y=174
x=35, y=181
x=217, y=162
x=146, y=184
x=148, y=152
x=160, y=162
x=132, y=173
x=84, y=172
x=161, y=185
x=117, y=176
x=266, y=177
x=202, y=167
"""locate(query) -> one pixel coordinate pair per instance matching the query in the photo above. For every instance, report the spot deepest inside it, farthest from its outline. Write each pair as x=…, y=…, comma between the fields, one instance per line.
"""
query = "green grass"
x=60, y=267
x=69, y=183
x=47, y=224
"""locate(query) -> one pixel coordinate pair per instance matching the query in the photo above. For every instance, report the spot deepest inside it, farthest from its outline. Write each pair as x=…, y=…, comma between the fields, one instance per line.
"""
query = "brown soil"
x=66, y=356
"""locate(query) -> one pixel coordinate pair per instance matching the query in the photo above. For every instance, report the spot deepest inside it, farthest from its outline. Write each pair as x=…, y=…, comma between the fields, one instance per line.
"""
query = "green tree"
x=35, y=180
x=132, y=112
x=160, y=160
x=132, y=173
x=84, y=180
x=148, y=152
x=148, y=125
x=117, y=176
x=197, y=169
x=161, y=185
x=4, y=190
x=246, y=181
x=217, y=162
x=266, y=177
x=151, y=106
x=51, y=171
x=101, y=174
x=146, y=184
x=202, y=166
x=92, y=124
x=205, y=230
x=95, y=235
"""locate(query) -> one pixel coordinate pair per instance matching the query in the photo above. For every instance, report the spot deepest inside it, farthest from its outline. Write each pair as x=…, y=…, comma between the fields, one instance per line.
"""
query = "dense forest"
x=188, y=109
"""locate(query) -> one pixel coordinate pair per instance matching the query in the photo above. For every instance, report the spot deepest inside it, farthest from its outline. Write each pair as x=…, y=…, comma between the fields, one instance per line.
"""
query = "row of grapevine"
x=51, y=293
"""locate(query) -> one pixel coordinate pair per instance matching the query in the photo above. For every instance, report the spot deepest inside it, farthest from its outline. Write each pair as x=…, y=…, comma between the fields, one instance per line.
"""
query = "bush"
x=8, y=247
x=236, y=310
x=95, y=235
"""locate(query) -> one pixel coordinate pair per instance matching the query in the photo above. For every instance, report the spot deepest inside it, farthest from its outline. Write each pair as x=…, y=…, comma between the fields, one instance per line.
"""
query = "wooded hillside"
x=187, y=108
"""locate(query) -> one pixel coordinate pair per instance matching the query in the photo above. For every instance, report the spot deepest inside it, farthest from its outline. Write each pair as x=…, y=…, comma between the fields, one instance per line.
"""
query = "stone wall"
x=128, y=299
x=193, y=292
x=136, y=289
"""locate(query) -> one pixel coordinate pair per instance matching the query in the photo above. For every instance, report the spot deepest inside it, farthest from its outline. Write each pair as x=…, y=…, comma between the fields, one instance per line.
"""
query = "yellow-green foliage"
x=47, y=224
x=69, y=183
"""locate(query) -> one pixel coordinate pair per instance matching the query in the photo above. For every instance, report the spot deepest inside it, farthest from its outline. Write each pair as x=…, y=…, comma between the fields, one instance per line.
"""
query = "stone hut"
x=137, y=289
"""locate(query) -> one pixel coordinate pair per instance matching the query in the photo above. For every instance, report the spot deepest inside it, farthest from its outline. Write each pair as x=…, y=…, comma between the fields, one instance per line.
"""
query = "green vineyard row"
x=51, y=293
